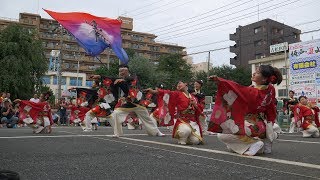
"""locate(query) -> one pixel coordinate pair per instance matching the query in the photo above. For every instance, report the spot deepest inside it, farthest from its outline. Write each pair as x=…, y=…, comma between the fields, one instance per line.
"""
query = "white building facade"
x=69, y=80
x=278, y=61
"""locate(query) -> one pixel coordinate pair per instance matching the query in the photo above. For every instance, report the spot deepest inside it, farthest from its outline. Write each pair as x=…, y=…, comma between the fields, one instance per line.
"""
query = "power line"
x=170, y=2
x=169, y=25
x=206, y=27
x=197, y=20
x=165, y=10
x=144, y=6
x=219, y=49
x=307, y=23
x=208, y=44
x=212, y=26
x=299, y=24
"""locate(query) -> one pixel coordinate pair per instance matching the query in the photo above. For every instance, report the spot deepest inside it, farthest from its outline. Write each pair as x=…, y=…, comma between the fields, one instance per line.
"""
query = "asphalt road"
x=69, y=153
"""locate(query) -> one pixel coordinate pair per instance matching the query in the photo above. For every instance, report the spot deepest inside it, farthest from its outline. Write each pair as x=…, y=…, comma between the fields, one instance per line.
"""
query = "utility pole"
x=108, y=59
x=287, y=72
x=60, y=63
x=208, y=61
x=78, y=56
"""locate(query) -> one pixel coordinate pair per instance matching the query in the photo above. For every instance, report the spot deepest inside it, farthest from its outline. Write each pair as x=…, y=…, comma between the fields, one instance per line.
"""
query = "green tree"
x=45, y=89
x=239, y=75
x=111, y=72
x=146, y=71
x=22, y=61
x=208, y=87
x=175, y=68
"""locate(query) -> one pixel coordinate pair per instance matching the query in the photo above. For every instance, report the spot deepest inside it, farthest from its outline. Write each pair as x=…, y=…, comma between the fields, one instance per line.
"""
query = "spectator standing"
x=63, y=111
x=35, y=98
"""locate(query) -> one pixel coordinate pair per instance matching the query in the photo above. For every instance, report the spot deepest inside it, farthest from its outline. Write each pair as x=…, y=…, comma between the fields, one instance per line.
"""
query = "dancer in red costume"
x=306, y=113
x=38, y=116
x=127, y=95
x=244, y=115
x=185, y=108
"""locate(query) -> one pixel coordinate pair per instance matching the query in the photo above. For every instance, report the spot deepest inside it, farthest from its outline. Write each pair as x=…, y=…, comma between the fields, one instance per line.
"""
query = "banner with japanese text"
x=304, y=70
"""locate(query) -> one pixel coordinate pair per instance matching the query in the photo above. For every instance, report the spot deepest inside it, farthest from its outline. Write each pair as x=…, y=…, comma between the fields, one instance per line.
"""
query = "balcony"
x=127, y=37
x=234, y=49
x=144, y=48
x=184, y=53
x=233, y=37
x=234, y=61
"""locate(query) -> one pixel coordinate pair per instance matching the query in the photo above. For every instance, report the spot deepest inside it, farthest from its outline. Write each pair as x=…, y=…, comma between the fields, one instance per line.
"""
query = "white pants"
x=119, y=115
x=293, y=126
x=312, y=131
x=203, y=123
x=185, y=135
x=87, y=120
x=46, y=121
x=237, y=143
x=131, y=126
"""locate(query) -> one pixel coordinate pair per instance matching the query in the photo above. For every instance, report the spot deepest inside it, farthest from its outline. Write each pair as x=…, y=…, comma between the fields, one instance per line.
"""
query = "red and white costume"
x=241, y=114
x=307, y=116
x=129, y=102
x=187, y=128
x=37, y=115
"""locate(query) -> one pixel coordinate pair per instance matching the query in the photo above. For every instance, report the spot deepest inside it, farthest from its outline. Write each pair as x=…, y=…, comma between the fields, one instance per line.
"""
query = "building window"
x=277, y=31
x=283, y=71
x=282, y=93
x=73, y=81
x=46, y=79
x=67, y=65
x=256, y=66
x=135, y=46
x=260, y=55
x=89, y=83
x=63, y=80
x=275, y=41
x=137, y=37
x=281, y=31
x=257, y=30
x=258, y=43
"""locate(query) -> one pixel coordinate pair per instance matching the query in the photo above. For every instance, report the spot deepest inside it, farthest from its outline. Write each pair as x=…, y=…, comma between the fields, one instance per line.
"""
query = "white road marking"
x=295, y=141
x=280, y=161
x=62, y=136
x=314, y=166
x=219, y=152
x=88, y=135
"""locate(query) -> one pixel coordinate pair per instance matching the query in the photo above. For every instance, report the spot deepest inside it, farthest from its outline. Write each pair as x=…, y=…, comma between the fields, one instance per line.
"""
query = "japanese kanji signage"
x=304, y=69
x=279, y=47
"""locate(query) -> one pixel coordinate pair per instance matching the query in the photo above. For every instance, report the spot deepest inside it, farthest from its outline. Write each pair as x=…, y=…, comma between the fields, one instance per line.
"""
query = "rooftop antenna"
x=258, y=10
x=38, y=7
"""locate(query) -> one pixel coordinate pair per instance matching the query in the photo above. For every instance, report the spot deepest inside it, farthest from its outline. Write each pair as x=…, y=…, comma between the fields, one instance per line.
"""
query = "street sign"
x=279, y=47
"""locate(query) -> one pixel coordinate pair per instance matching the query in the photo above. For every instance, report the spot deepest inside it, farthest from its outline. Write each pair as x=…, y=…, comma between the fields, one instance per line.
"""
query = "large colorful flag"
x=93, y=33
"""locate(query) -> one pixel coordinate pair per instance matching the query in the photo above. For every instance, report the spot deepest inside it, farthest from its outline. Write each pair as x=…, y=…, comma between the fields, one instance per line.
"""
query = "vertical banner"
x=305, y=69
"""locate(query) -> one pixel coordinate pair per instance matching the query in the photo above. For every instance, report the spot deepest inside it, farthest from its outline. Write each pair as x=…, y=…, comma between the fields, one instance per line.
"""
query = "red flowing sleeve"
x=271, y=109
x=172, y=101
